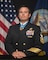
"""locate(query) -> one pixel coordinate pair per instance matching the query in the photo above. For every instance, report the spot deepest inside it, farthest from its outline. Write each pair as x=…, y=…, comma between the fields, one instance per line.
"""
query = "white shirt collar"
x=23, y=23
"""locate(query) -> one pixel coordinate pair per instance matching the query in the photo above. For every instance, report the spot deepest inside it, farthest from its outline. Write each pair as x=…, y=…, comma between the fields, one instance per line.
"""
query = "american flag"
x=7, y=18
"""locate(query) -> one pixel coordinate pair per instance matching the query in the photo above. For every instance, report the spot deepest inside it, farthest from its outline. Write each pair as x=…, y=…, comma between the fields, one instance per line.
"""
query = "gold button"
x=24, y=50
x=16, y=49
x=16, y=43
x=24, y=43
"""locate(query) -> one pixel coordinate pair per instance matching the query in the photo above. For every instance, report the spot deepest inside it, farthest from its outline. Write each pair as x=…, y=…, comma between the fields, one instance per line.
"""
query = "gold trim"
x=42, y=53
x=35, y=50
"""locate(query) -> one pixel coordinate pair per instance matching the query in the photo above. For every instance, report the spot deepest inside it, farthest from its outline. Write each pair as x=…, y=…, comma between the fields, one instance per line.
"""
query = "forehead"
x=24, y=8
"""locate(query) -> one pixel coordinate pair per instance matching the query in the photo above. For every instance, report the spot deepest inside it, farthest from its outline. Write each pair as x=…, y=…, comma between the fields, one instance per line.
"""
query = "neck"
x=23, y=21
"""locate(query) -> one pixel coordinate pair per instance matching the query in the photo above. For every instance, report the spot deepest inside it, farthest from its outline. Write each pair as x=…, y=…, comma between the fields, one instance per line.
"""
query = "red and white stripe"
x=4, y=26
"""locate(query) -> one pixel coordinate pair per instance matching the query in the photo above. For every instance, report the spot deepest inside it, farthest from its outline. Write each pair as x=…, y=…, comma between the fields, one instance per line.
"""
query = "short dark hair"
x=23, y=6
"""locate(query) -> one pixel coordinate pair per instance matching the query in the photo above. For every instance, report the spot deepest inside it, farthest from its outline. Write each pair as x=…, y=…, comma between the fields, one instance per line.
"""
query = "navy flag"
x=42, y=4
x=40, y=18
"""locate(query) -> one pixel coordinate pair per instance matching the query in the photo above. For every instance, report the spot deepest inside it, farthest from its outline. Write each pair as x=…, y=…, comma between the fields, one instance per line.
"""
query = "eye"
x=20, y=12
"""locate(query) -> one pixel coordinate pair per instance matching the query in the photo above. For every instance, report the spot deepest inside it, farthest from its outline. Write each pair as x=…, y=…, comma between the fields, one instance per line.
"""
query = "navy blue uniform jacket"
x=18, y=39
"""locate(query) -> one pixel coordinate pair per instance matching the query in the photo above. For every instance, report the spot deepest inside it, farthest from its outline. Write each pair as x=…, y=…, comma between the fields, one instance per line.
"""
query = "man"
x=23, y=39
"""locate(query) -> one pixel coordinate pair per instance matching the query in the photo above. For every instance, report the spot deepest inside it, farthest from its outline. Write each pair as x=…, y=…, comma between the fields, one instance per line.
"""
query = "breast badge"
x=30, y=33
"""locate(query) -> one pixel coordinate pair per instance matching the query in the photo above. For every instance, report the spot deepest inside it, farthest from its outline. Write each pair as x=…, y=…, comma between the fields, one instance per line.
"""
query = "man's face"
x=24, y=14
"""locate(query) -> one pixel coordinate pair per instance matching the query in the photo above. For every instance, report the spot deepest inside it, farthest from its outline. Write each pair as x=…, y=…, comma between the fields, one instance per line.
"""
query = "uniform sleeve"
x=8, y=42
x=37, y=42
x=29, y=53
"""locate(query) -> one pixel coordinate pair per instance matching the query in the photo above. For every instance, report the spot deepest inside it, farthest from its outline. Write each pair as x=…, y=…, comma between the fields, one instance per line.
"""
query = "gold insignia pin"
x=29, y=36
x=21, y=29
x=31, y=29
